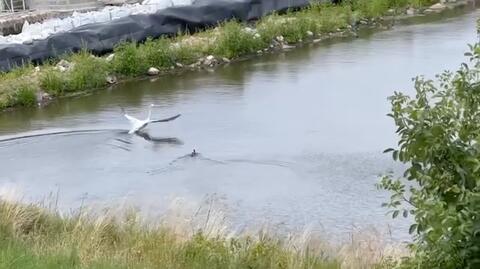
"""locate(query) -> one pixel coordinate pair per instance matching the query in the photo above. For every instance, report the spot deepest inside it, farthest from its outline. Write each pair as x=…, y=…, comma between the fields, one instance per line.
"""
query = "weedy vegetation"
x=228, y=40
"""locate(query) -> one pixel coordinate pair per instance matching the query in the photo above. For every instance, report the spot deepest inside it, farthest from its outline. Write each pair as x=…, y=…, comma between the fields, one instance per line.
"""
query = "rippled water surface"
x=290, y=139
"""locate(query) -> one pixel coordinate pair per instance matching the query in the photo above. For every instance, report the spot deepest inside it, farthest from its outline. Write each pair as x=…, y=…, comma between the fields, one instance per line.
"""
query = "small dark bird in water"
x=194, y=153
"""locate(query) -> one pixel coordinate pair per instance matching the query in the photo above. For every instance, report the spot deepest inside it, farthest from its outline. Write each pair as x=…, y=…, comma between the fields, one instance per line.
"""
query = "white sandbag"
x=38, y=31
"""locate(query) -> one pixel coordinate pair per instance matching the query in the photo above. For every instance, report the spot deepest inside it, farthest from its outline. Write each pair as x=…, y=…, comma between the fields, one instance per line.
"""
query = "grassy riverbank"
x=34, y=237
x=29, y=85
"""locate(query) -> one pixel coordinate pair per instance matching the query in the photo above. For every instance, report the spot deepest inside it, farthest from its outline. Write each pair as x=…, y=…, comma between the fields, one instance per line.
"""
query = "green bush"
x=439, y=131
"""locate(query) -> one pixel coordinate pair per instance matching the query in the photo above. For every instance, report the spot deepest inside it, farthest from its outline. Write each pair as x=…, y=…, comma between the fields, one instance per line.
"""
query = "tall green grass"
x=315, y=19
x=129, y=60
x=291, y=28
x=234, y=40
x=158, y=53
x=24, y=95
x=53, y=82
x=18, y=93
x=88, y=72
x=371, y=8
x=422, y=3
x=17, y=72
x=187, y=54
x=376, y=8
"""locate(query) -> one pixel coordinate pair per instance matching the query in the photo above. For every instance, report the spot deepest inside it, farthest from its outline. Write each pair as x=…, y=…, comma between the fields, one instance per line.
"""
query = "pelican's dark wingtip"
x=167, y=119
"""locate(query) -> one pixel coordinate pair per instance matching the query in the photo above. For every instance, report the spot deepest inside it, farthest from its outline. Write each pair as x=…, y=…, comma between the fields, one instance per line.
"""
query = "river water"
x=291, y=139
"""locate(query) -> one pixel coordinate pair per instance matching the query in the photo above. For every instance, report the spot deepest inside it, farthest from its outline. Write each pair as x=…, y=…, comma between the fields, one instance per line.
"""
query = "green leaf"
x=412, y=228
x=395, y=155
x=395, y=213
x=388, y=150
x=438, y=129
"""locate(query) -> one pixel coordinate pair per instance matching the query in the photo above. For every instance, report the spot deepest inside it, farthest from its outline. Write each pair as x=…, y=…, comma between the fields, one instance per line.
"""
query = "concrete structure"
x=11, y=21
x=33, y=11
x=21, y=5
x=63, y=4
x=12, y=5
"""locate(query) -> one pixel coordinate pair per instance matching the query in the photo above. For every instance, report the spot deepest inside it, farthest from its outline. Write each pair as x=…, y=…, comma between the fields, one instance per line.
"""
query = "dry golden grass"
x=185, y=236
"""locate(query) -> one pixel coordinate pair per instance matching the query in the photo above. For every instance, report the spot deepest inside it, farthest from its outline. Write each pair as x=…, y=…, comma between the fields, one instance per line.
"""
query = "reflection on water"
x=53, y=133
x=290, y=139
x=160, y=140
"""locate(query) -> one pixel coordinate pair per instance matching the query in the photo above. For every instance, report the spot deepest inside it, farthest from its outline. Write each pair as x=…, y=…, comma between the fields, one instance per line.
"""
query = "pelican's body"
x=138, y=125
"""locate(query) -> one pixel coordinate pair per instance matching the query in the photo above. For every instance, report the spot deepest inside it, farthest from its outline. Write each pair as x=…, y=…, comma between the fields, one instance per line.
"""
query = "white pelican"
x=137, y=125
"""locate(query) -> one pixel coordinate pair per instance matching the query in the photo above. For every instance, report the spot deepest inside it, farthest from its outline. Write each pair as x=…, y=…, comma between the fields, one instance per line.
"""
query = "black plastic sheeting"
x=100, y=38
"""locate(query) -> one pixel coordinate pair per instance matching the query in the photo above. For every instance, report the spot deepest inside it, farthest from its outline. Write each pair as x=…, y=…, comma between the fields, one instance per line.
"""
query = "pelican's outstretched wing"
x=167, y=119
x=129, y=118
